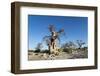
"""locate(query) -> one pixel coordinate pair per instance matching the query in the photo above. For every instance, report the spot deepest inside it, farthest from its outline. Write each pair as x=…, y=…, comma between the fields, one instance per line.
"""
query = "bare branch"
x=46, y=39
x=51, y=28
x=80, y=43
x=61, y=30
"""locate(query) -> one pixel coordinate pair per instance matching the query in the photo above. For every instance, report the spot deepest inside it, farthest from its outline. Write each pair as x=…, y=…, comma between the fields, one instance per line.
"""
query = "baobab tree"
x=52, y=39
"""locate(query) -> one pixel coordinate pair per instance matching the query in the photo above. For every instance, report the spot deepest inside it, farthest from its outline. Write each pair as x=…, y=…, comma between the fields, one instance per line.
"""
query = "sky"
x=75, y=28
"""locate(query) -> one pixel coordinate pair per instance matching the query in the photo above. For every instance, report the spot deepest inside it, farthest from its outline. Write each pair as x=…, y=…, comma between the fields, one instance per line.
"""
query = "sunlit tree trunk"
x=53, y=47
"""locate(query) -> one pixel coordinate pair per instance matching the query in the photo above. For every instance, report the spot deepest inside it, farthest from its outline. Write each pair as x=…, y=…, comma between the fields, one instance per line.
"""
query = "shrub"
x=67, y=50
x=37, y=51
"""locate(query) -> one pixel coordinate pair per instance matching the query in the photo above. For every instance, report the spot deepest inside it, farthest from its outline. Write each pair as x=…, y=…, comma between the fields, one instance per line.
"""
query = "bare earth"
x=62, y=55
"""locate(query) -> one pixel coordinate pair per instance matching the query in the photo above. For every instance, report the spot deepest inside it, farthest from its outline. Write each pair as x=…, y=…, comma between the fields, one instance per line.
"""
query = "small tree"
x=38, y=47
x=69, y=46
x=80, y=43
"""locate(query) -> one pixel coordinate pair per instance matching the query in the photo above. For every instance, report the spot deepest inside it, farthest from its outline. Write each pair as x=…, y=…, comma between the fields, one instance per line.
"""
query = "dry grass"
x=61, y=55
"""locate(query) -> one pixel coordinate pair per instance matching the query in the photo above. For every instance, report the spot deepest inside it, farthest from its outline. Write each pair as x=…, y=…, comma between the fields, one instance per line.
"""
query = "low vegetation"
x=69, y=50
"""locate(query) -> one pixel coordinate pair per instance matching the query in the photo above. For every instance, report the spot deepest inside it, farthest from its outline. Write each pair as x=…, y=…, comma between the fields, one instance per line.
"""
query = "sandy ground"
x=62, y=55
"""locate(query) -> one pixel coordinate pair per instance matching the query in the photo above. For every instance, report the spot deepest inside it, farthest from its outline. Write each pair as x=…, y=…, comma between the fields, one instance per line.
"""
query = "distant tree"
x=85, y=48
x=80, y=43
x=69, y=46
x=38, y=47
